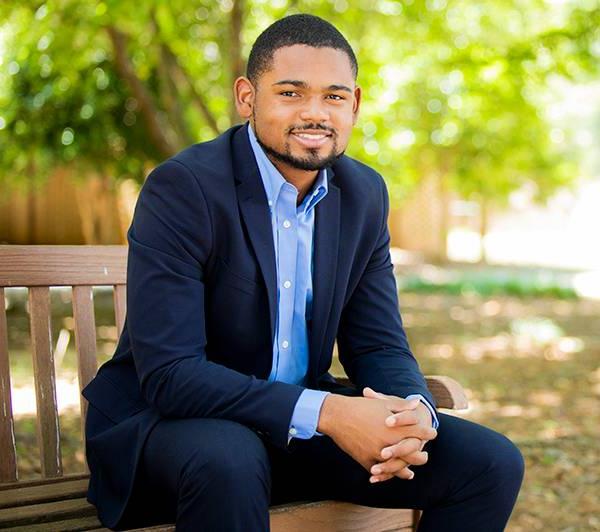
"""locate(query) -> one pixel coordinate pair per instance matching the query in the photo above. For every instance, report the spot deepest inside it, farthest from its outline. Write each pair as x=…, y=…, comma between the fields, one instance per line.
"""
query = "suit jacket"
x=202, y=303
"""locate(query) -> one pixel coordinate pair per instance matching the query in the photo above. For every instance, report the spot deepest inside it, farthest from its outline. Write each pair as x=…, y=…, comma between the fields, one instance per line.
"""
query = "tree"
x=452, y=89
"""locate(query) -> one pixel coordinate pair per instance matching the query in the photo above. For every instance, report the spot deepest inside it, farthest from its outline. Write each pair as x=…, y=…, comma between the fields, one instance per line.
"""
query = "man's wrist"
x=435, y=423
x=332, y=406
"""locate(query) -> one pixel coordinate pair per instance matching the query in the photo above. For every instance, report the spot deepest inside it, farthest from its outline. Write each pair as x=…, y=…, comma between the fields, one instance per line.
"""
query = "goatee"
x=311, y=162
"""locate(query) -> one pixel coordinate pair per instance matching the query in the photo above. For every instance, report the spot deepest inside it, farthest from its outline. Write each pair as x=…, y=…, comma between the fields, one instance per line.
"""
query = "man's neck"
x=303, y=180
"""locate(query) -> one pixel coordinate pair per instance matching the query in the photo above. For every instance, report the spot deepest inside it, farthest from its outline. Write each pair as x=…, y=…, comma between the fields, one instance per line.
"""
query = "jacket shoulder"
x=354, y=176
x=207, y=160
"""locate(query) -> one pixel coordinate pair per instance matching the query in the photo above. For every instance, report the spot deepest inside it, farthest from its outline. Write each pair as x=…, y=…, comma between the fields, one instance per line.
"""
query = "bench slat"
x=120, y=301
x=8, y=463
x=325, y=516
x=85, y=339
x=70, y=525
x=62, y=265
x=44, y=493
x=42, y=481
x=45, y=513
x=328, y=516
x=45, y=382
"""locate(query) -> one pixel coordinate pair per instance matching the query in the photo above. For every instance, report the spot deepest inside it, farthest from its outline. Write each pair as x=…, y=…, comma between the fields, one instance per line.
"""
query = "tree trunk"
x=235, y=49
x=148, y=109
x=444, y=227
x=483, y=227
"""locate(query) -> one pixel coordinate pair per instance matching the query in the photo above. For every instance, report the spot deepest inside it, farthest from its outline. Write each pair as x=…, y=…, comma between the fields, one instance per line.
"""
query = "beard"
x=311, y=161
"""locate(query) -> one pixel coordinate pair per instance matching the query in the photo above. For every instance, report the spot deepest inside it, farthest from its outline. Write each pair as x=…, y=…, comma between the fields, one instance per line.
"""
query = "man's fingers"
x=369, y=392
x=417, y=458
x=406, y=417
x=395, y=404
x=395, y=466
x=398, y=405
x=428, y=433
x=399, y=450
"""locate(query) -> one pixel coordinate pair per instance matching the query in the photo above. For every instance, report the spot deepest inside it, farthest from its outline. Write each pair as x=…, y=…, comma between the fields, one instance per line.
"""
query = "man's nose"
x=314, y=110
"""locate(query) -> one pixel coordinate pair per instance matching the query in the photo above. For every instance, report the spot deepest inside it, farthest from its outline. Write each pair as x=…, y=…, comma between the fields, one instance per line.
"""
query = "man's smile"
x=311, y=139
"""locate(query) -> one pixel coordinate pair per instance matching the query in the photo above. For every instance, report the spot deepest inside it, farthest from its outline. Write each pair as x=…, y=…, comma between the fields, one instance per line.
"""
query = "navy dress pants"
x=218, y=475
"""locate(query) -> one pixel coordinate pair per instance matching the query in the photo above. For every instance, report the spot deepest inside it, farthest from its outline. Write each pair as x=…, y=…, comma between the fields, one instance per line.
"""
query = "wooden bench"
x=56, y=501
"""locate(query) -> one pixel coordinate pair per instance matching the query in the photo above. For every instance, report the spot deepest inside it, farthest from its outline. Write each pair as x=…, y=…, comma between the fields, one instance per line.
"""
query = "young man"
x=248, y=256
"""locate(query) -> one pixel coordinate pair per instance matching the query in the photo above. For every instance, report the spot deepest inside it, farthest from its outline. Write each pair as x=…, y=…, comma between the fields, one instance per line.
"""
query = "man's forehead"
x=322, y=66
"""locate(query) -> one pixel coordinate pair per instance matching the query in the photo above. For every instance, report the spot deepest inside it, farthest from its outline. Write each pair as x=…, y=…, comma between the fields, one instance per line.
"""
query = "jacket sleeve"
x=372, y=344
x=170, y=239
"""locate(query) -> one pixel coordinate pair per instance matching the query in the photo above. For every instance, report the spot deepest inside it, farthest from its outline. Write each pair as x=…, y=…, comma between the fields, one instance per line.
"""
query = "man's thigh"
x=207, y=452
x=461, y=453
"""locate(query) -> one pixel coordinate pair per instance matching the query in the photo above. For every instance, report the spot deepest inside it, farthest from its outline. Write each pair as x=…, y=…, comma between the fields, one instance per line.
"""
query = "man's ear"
x=243, y=92
x=357, y=97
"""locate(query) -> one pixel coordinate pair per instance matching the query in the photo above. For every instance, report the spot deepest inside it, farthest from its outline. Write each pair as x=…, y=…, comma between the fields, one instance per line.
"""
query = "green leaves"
x=452, y=89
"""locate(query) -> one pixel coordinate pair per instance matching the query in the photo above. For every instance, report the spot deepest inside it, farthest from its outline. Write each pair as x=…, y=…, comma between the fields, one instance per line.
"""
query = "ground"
x=531, y=368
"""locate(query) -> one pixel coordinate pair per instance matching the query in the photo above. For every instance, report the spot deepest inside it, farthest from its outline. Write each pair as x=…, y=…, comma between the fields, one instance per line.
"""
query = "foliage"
x=489, y=283
x=452, y=89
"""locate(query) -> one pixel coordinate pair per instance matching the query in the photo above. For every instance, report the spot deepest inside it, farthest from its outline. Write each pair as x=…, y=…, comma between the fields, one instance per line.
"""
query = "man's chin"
x=312, y=163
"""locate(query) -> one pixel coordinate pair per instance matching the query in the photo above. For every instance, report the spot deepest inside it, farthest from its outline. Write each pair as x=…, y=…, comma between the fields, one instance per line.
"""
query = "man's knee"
x=475, y=458
x=506, y=463
x=236, y=456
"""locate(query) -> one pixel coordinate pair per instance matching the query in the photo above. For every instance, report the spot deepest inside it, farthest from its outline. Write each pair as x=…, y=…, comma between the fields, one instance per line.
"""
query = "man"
x=248, y=256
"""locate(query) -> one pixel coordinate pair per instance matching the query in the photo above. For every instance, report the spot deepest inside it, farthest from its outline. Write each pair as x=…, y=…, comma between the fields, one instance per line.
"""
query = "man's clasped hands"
x=385, y=434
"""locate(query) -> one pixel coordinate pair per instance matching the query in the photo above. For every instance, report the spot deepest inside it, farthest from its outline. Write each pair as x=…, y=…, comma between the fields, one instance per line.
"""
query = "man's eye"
x=337, y=97
x=286, y=93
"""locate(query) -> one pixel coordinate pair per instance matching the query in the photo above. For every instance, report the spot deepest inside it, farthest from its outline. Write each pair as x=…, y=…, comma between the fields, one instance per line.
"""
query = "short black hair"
x=295, y=29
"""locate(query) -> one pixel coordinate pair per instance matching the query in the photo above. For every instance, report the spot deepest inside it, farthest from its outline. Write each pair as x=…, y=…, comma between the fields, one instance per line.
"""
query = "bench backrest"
x=37, y=268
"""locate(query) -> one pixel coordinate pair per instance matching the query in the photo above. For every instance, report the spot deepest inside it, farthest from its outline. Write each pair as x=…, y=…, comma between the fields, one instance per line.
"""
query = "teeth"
x=311, y=136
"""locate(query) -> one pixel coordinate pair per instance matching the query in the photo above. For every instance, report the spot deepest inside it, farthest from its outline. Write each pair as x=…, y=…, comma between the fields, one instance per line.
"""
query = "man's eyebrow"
x=304, y=85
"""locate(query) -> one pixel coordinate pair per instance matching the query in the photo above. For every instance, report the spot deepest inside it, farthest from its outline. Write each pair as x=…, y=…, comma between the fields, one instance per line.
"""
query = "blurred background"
x=484, y=118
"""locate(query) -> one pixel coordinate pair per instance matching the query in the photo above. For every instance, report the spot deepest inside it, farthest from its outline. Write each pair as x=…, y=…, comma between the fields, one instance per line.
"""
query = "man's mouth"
x=311, y=139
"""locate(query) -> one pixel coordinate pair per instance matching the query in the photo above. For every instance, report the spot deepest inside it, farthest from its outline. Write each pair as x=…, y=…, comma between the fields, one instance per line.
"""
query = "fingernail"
x=411, y=476
x=390, y=421
x=386, y=453
x=372, y=480
x=375, y=470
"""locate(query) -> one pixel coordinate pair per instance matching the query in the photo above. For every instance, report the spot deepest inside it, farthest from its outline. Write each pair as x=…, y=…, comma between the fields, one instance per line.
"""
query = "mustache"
x=313, y=127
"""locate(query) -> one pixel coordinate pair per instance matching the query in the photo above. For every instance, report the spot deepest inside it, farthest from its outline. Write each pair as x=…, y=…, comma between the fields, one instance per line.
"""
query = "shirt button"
x=286, y=224
x=287, y=284
x=293, y=431
x=270, y=203
x=285, y=344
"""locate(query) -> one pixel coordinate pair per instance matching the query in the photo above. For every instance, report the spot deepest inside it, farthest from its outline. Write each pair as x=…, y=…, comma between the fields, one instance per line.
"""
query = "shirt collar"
x=273, y=180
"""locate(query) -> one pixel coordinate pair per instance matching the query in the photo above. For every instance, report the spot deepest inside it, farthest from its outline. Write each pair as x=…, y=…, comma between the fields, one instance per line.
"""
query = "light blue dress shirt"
x=293, y=228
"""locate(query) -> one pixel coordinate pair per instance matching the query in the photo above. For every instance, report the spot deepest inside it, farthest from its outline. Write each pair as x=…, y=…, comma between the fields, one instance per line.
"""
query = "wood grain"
x=329, y=516
x=45, y=382
x=62, y=265
x=8, y=452
x=120, y=302
x=85, y=340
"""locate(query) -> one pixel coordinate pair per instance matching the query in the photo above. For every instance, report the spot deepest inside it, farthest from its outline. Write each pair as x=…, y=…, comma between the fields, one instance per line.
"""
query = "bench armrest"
x=446, y=391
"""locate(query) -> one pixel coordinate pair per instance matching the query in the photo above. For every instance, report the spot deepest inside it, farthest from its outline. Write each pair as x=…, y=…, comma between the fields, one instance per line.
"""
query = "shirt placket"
x=287, y=247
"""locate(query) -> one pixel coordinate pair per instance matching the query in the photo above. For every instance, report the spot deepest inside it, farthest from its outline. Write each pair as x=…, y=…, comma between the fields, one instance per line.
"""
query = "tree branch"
x=182, y=76
x=148, y=108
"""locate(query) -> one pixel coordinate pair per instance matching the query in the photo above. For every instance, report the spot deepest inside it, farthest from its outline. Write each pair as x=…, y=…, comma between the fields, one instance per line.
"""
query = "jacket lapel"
x=253, y=205
x=326, y=244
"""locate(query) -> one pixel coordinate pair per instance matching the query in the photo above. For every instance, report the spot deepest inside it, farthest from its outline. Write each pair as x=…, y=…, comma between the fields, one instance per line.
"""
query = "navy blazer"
x=202, y=302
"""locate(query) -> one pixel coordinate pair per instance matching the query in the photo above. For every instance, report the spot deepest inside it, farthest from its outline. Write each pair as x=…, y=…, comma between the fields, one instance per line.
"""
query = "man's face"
x=305, y=106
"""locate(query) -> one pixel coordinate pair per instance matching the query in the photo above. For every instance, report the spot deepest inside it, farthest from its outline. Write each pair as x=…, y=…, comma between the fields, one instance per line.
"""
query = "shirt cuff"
x=434, y=417
x=305, y=417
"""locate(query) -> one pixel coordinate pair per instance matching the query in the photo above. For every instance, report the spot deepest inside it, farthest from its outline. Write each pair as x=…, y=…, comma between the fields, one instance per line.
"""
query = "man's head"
x=300, y=92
